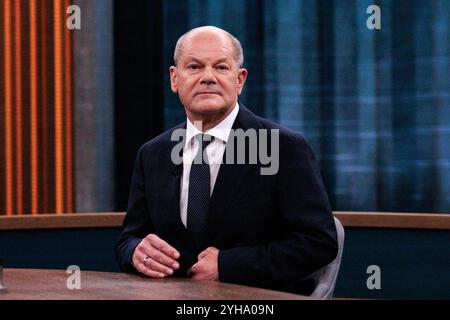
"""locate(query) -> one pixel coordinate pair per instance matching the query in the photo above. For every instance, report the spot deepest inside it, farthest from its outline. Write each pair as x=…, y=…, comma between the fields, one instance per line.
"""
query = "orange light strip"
x=68, y=115
x=8, y=109
x=18, y=105
x=33, y=113
x=58, y=52
x=44, y=170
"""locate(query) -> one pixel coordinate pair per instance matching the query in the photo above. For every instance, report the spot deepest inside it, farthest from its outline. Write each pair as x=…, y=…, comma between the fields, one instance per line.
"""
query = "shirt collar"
x=220, y=131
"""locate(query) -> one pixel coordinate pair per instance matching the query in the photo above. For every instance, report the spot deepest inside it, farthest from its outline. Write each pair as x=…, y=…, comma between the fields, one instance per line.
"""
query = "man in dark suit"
x=227, y=220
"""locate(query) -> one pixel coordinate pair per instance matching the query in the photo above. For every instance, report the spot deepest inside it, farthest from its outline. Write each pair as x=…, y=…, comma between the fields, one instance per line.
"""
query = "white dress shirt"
x=214, y=150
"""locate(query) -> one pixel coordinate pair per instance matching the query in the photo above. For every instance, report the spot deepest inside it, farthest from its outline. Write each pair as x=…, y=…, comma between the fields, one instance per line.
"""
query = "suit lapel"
x=230, y=176
x=173, y=176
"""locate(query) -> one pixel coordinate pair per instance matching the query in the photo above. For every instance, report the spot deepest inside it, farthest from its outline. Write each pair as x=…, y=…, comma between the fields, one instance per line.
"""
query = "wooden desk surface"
x=43, y=284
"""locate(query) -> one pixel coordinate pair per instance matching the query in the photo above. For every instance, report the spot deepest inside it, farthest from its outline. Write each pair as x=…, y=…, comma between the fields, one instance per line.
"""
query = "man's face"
x=207, y=77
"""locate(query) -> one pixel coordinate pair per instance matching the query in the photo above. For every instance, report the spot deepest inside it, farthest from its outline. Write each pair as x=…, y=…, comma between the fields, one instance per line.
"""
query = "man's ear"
x=173, y=79
x=241, y=79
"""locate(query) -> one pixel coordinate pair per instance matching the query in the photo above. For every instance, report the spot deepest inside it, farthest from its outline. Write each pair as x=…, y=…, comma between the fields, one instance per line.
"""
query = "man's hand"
x=155, y=258
x=207, y=266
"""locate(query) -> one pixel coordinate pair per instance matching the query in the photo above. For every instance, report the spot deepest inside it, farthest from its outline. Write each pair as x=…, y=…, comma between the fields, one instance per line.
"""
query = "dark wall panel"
x=138, y=34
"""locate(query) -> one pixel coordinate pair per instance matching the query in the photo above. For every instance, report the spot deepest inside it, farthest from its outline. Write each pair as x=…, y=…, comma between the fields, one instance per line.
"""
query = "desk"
x=44, y=284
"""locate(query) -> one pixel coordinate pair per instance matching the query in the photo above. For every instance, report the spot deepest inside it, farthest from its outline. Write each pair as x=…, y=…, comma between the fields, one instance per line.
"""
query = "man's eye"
x=193, y=66
x=222, y=67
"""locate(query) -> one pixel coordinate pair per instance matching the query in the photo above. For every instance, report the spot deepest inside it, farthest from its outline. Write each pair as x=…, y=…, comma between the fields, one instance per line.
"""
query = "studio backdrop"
x=75, y=105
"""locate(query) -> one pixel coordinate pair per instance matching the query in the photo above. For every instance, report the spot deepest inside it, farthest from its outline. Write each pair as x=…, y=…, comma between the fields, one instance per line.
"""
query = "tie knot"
x=204, y=140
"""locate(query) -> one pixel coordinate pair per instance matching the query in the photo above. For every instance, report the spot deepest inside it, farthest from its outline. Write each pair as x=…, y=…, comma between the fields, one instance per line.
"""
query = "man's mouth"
x=207, y=92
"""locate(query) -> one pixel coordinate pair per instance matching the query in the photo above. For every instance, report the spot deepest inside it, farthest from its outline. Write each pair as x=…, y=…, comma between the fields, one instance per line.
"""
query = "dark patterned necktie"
x=199, y=192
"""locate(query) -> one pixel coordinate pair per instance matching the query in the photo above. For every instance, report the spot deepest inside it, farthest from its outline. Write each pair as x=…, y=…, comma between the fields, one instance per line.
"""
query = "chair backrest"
x=325, y=277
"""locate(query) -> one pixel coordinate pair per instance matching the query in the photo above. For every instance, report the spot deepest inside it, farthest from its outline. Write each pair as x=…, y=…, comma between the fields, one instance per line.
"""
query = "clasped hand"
x=155, y=258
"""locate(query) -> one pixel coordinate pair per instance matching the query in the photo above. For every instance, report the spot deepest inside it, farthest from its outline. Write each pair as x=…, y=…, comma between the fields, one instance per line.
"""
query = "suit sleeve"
x=309, y=235
x=137, y=224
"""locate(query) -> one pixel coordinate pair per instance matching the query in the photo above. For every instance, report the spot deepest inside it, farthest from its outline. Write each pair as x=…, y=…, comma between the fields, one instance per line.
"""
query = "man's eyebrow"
x=220, y=60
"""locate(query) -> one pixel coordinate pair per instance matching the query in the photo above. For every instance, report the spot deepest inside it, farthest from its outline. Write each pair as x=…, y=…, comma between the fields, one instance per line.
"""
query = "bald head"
x=212, y=31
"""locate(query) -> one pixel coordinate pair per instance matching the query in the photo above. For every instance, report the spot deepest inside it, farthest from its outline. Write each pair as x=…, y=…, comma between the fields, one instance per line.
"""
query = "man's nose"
x=208, y=76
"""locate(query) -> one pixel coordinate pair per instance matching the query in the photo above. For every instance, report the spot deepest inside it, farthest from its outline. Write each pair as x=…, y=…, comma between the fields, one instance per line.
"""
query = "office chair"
x=325, y=277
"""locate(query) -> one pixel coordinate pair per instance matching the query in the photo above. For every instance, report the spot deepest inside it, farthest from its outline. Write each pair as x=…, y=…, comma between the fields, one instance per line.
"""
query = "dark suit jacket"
x=271, y=230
